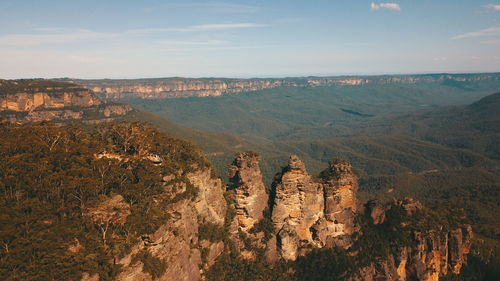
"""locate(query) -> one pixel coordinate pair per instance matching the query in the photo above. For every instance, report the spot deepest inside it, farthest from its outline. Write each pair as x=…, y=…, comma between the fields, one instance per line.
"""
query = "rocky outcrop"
x=177, y=242
x=160, y=88
x=40, y=100
x=429, y=255
x=311, y=214
x=434, y=255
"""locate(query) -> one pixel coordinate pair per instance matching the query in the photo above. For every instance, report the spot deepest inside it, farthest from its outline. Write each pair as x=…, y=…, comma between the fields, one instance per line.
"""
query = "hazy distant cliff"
x=159, y=88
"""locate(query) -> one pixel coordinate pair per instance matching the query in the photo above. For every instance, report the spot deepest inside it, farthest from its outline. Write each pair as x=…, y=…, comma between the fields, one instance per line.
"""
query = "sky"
x=246, y=38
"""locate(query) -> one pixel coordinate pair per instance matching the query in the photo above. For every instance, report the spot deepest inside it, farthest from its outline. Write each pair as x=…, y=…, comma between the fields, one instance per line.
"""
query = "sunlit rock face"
x=249, y=200
x=298, y=205
x=311, y=213
x=340, y=185
x=40, y=100
x=250, y=197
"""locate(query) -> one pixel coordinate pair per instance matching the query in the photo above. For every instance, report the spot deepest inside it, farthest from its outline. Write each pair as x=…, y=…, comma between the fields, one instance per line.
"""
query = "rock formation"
x=250, y=197
x=250, y=200
x=307, y=213
x=311, y=214
x=340, y=185
x=40, y=100
x=432, y=254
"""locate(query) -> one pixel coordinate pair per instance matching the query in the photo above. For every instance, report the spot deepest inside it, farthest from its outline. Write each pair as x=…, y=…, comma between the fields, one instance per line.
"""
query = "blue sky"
x=247, y=38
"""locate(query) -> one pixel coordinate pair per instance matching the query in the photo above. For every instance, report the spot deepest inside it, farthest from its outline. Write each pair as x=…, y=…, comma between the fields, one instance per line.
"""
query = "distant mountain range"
x=159, y=88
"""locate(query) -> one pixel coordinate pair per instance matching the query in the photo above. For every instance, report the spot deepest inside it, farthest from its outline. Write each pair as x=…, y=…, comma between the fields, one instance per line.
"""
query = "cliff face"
x=178, y=242
x=432, y=255
x=39, y=100
x=183, y=87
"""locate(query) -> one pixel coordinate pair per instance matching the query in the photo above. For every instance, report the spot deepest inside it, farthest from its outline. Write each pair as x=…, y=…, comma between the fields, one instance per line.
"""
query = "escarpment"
x=42, y=100
x=160, y=88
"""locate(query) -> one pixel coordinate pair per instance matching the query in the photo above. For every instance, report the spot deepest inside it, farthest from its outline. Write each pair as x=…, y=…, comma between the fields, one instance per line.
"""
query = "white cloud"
x=492, y=7
x=484, y=32
x=388, y=6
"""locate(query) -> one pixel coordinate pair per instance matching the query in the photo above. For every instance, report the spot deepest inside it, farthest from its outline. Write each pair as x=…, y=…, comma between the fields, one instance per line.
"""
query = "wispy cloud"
x=493, y=42
x=495, y=7
x=191, y=43
x=50, y=36
x=484, y=32
x=60, y=37
x=388, y=6
x=208, y=27
x=218, y=7
x=440, y=59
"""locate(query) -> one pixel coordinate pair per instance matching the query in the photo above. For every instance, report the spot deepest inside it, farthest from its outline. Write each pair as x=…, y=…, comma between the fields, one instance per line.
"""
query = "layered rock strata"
x=38, y=100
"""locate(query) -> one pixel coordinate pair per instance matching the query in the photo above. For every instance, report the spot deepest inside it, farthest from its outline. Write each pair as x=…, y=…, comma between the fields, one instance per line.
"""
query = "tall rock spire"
x=297, y=206
x=250, y=197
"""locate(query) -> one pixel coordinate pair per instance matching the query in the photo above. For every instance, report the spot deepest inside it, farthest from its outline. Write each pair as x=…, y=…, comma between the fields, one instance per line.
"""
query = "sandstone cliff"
x=159, y=88
x=178, y=243
x=430, y=256
x=41, y=100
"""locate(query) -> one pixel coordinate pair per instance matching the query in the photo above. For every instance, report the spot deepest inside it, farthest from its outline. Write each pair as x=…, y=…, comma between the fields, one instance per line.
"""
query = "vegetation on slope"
x=52, y=177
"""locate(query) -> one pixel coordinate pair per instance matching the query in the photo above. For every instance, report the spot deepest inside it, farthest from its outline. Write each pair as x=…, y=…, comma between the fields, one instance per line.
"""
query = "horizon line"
x=266, y=77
